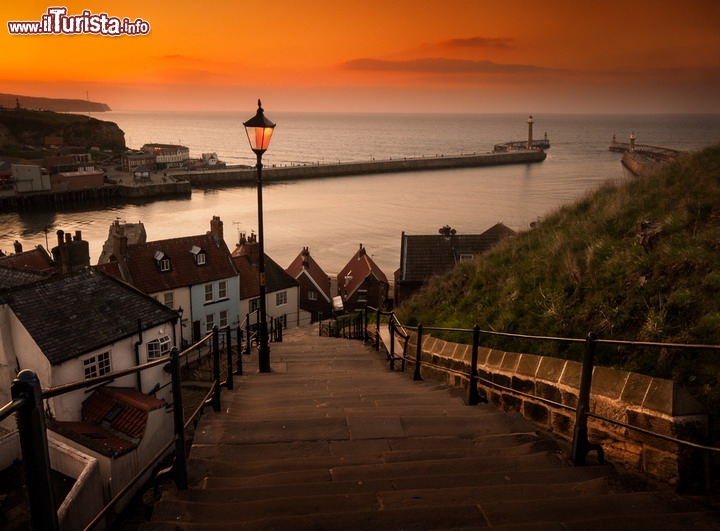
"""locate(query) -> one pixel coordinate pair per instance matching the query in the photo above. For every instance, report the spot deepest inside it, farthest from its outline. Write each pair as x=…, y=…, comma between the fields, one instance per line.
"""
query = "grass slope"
x=637, y=260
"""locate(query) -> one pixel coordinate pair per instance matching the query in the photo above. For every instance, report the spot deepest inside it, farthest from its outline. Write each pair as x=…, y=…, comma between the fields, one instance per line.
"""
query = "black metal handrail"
x=580, y=444
x=27, y=403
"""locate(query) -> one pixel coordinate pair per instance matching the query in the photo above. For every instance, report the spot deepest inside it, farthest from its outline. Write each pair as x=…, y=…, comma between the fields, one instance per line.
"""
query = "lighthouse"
x=530, y=139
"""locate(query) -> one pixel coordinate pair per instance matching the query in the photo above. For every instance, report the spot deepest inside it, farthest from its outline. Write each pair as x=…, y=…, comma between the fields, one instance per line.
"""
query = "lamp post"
x=259, y=131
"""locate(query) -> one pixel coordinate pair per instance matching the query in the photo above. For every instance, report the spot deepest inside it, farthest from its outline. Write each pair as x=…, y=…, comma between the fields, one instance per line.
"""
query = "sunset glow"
x=377, y=56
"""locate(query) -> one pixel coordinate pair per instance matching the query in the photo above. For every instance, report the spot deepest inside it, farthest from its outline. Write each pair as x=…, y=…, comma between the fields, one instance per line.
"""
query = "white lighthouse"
x=530, y=139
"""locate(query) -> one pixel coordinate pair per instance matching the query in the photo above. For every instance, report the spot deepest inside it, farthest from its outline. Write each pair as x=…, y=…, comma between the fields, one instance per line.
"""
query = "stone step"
x=386, y=494
x=274, y=484
x=208, y=507
x=425, y=518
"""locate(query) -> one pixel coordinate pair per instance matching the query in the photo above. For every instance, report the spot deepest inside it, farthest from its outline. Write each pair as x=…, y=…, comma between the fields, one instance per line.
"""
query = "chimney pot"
x=60, y=236
x=18, y=246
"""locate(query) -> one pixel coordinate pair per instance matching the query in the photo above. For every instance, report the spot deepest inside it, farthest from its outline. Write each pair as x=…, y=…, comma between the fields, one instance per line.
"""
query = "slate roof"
x=73, y=314
x=114, y=420
x=423, y=256
x=140, y=268
x=246, y=257
x=12, y=277
x=36, y=259
x=360, y=267
x=305, y=264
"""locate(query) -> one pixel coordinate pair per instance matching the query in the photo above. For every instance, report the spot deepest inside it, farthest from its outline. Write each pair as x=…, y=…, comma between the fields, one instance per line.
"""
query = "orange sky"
x=379, y=55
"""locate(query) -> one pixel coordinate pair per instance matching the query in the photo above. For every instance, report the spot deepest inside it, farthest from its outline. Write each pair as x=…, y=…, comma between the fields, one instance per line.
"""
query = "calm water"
x=333, y=216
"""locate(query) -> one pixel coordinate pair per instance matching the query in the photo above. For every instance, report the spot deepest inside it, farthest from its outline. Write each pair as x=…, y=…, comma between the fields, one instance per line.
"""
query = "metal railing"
x=27, y=403
x=581, y=446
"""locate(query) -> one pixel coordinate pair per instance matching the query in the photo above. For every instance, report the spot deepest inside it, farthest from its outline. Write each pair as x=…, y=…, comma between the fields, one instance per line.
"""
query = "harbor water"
x=332, y=216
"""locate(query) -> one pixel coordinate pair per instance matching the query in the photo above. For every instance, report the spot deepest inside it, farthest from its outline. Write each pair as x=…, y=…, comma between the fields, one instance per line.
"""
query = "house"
x=314, y=296
x=80, y=323
x=37, y=259
x=422, y=256
x=195, y=274
x=167, y=155
x=361, y=283
x=83, y=324
x=281, y=290
x=132, y=161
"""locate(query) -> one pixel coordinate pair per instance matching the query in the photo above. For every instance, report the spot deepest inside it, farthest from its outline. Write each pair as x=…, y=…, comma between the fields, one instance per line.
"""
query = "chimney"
x=305, y=258
x=216, y=227
x=71, y=255
x=18, y=247
x=361, y=251
x=119, y=244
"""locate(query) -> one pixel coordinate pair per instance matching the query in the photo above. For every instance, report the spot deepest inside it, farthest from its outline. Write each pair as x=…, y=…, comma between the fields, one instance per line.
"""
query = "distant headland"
x=51, y=104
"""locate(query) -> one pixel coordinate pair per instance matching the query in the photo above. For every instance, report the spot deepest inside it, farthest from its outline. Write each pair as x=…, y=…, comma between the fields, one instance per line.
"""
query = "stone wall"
x=545, y=390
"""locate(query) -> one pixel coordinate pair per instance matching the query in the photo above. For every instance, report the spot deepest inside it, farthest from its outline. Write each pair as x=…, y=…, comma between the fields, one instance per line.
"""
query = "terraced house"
x=194, y=275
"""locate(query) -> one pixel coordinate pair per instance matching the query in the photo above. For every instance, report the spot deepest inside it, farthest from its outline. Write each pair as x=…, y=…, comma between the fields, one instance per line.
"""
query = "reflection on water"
x=332, y=216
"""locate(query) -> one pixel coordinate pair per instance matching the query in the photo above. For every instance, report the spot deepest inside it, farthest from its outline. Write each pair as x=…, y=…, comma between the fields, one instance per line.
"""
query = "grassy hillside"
x=637, y=260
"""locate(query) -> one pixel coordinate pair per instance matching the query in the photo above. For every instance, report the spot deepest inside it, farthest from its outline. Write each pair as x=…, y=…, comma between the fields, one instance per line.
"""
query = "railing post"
x=391, y=349
x=377, y=330
x=228, y=341
x=239, y=370
x=580, y=444
x=365, y=324
x=215, y=400
x=247, y=333
x=472, y=396
x=35, y=454
x=178, y=470
x=418, y=354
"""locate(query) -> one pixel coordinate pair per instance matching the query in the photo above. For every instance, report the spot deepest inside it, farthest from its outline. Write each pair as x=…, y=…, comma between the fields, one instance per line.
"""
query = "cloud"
x=479, y=42
x=440, y=66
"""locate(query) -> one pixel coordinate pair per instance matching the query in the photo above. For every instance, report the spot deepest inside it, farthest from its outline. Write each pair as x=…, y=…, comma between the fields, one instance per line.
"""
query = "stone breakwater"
x=248, y=175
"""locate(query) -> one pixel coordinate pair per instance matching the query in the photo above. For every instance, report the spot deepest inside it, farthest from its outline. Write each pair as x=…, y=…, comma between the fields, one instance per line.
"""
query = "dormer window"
x=162, y=261
x=198, y=255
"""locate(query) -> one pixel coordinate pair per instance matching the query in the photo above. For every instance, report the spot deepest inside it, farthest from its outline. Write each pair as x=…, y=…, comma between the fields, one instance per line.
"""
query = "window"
x=222, y=289
x=198, y=255
x=209, y=322
x=208, y=292
x=362, y=295
x=466, y=256
x=96, y=365
x=312, y=295
x=254, y=305
x=223, y=319
x=157, y=348
x=169, y=300
x=162, y=261
x=281, y=298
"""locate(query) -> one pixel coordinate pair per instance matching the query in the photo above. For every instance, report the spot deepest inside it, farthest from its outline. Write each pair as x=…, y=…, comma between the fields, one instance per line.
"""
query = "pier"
x=642, y=159
x=248, y=175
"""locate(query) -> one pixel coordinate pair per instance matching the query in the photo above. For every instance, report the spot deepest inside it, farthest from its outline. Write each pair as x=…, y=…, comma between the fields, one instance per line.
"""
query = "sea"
x=334, y=216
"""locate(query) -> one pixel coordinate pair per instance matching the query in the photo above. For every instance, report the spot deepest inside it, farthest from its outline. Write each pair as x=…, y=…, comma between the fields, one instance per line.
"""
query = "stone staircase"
x=331, y=439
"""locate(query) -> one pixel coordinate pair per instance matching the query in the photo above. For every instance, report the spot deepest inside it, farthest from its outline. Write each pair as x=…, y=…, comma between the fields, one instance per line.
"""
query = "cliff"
x=21, y=127
x=10, y=101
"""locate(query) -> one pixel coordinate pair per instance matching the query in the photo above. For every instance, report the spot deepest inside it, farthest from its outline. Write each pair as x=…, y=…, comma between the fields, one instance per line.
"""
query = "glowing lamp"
x=259, y=131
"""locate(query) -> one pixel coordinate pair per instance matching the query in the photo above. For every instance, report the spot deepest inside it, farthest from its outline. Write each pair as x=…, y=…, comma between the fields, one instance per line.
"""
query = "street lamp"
x=259, y=131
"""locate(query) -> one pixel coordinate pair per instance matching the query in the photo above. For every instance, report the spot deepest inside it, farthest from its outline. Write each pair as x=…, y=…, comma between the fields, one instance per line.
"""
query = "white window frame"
x=222, y=289
x=208, y=293
x=97, y=365
x=164, y=265
x=281, y=298
x=157, y=348
x=209, y=322
x=224, y=318
x=362, y=295
x=312, y=295
x=169, y=299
